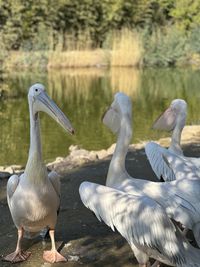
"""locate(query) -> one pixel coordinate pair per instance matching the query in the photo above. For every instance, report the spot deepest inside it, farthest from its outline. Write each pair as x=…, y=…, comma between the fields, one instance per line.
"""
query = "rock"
x=7, y=171
x=4, y=175
x=73, y=147
x=68, y=245
x=12, y=169
x=73, y=258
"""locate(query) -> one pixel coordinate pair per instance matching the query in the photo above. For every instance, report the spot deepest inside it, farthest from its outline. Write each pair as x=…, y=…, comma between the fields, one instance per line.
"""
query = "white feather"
x=142, y=222
x=155, y=154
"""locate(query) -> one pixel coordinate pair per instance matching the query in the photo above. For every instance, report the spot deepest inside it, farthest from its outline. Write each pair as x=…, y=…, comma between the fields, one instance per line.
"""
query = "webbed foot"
x=53, y=256
x=17, y=256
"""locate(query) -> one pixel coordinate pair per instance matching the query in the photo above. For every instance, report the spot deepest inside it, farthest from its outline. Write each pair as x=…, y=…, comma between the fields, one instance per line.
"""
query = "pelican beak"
x=104, y=114
x=166, y=121
x=46, y=104
x=111, y=119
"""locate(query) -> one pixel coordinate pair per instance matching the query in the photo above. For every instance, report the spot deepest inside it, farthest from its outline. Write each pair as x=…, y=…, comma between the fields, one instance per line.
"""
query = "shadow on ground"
x=80, y=236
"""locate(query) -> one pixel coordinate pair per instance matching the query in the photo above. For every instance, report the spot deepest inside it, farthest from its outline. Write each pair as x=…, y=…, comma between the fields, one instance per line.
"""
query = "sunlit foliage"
x=170, y=27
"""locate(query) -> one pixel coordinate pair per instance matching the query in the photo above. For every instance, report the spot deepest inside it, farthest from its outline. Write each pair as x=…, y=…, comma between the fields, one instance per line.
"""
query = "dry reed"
x=78, y=59
x=126, y=49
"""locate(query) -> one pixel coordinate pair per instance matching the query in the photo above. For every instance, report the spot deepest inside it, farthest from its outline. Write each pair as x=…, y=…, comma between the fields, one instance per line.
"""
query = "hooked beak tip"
x=72, y=132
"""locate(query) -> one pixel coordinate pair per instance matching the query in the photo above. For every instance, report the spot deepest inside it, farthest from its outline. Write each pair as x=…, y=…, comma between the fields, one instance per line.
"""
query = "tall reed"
x=126, y=48
x=77, y=51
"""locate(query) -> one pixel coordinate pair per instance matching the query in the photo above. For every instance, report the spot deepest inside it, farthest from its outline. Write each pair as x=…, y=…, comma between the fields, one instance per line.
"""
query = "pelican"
x=143, y=223
x=173, y=119
x=180, y=198
x=34, y=197
x=126, y=204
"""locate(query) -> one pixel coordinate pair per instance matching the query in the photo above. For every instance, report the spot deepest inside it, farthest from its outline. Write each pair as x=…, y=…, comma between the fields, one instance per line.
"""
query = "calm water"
x=83, y=95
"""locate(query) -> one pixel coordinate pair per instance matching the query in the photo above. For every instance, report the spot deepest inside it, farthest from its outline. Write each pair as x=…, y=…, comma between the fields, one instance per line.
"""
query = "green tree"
x=186, y=14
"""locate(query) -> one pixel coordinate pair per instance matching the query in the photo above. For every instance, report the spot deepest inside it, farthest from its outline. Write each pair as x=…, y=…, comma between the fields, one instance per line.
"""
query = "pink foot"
x=53, y=256
x=17, y=256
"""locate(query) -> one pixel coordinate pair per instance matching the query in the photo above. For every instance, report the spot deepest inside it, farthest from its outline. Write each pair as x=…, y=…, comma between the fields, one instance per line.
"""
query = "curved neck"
x=175, y=145
x=35, y=168
x=117, y=172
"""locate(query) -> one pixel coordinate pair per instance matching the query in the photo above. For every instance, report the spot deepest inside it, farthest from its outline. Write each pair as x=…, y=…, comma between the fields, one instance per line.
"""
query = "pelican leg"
x=145, y=265
x=185, y=231
x=156, y=264
x=18, y=255
x=53, y=255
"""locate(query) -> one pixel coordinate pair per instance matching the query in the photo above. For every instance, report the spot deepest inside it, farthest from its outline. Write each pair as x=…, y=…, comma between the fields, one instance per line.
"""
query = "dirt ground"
x=80, y=236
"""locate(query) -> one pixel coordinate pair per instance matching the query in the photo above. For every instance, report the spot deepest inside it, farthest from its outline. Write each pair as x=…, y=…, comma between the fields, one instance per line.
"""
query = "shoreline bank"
x=78, y=157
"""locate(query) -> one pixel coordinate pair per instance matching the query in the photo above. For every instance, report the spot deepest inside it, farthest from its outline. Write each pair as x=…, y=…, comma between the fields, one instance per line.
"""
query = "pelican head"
x=174, y=115
x=121, y=107
x=40, y=101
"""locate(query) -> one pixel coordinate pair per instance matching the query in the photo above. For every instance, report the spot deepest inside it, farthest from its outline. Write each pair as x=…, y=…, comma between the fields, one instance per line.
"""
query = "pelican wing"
x=179, y=198
x=183, y=167
x=139, y=219
x=160, y=167
x=194, y=161
x=54, y=177
x=12, y=184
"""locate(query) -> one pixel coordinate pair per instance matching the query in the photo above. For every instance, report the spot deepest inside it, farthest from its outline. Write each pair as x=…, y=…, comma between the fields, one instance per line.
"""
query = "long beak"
x=166, y=121
x=104, y=114
x=46, y=104
x=111, y=119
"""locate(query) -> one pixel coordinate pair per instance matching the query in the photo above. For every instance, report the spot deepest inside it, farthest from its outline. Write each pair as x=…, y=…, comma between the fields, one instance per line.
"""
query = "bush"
x=194, y=41
x=164, y=48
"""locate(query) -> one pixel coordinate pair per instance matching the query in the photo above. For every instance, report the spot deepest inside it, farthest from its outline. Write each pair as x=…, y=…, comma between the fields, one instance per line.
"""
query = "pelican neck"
x=117, y=171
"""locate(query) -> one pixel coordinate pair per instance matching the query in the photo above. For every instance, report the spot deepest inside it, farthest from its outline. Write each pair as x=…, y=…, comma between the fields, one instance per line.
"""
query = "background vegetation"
x=115, y=32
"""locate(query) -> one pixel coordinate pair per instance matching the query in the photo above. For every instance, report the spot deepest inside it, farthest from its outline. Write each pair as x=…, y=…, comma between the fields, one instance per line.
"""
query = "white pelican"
x=34, y=197
x=173, y=119
x=180, y=197
x=141, y=229
x=143, y=223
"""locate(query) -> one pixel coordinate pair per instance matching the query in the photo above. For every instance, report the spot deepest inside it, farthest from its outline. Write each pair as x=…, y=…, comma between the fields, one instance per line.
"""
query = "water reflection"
x=83, y=95
x=126, y=80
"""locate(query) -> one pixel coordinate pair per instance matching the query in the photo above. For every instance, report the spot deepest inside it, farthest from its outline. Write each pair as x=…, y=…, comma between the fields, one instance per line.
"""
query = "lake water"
x=83, y=95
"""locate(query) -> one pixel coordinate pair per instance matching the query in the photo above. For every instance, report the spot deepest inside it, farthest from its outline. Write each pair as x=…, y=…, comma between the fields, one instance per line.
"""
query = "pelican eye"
x=36, y=89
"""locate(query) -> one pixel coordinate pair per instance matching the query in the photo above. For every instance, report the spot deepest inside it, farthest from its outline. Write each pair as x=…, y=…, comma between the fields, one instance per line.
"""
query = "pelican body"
x=134, y=206
x=173, y=119
x=170, y=164
x=34, y=197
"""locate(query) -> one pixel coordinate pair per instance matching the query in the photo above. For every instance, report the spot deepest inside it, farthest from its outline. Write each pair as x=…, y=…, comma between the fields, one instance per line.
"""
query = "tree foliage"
x=28, y=24
x=186, y=13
